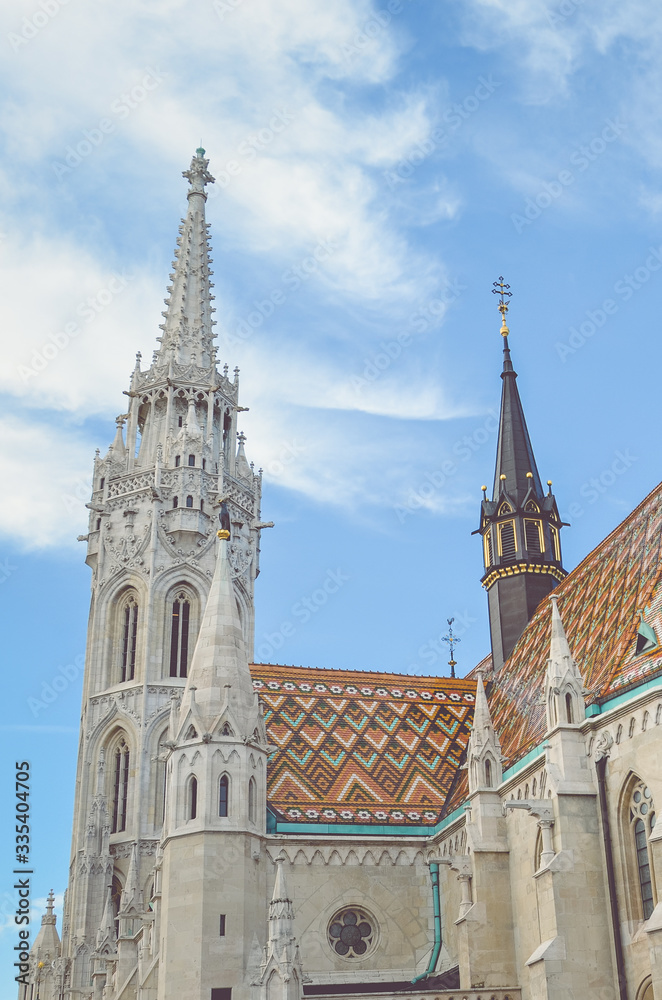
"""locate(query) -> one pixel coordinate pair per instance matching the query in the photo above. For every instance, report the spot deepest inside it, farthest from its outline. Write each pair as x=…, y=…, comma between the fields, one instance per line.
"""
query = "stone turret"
x=281, y=974
x=215, y=821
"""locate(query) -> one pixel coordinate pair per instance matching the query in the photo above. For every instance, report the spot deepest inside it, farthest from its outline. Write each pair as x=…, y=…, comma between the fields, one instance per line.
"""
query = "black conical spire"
x=515, y=456
x=520, y=525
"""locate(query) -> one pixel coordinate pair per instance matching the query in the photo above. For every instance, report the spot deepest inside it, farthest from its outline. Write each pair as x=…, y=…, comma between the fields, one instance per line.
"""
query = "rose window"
x=351, y=932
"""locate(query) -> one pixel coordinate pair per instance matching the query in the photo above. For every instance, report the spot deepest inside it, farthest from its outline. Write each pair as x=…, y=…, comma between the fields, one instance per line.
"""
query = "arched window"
x=120, y=765
x=178, y=459
x=193, y=798
x=191, y=460
x=488, y=772
x=568, y=708
x=223, y=795
x=189, y=501
x=252, y=805
x=202, y=506
x=175, y=502
x=642, y=823
x=179, y=635
x=129, y=622
x=116, y=898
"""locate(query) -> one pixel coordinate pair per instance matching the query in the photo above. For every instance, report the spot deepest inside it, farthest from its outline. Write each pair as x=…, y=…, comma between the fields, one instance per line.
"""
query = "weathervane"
x=500, y=288
x=452, y=641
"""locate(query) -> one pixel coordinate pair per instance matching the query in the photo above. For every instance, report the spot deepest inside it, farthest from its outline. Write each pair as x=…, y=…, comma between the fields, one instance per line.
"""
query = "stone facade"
x=531, y=884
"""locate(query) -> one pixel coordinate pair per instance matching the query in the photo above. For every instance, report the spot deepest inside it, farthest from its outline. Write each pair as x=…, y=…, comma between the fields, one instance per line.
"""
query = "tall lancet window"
x=179, y=634
x=223, y=795
x=642, y=822
x=120, y=785
x=129, y=621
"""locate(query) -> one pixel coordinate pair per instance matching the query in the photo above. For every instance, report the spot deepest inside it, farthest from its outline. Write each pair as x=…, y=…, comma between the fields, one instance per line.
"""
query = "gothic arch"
x=127, y=615
x=119, y=759
x=182, y=610
x=636, y=819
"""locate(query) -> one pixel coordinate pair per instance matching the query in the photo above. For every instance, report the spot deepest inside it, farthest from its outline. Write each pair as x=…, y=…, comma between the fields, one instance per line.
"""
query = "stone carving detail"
x=603, y=745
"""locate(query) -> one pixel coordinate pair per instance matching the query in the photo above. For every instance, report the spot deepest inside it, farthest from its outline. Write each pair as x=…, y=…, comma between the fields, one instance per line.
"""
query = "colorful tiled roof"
x=362, y=747
x=601, y=603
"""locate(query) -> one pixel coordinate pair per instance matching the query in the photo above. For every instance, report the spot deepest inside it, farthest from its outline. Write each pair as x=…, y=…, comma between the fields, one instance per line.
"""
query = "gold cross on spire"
x=501, y=288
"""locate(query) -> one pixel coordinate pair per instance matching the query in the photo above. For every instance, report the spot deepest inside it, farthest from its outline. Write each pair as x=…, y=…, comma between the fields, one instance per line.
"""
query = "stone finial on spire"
x=197, y=174
x=132, y=897
x=107, y=933
x=484, y=750
x=564, y=688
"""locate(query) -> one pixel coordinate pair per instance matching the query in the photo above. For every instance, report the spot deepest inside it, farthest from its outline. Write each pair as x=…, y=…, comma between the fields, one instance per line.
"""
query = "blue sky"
x=415, y=151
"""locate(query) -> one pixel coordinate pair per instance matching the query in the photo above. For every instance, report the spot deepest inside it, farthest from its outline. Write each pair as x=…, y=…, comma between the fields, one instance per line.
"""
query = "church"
x=249, y=831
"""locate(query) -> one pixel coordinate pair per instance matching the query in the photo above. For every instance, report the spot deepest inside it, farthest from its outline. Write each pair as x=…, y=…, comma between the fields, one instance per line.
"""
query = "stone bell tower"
x=174, y=464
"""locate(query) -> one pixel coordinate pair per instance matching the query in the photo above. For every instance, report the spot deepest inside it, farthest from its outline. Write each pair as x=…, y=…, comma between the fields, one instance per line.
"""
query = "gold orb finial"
x=529, y=475
x=484, y=489
x=502, y=476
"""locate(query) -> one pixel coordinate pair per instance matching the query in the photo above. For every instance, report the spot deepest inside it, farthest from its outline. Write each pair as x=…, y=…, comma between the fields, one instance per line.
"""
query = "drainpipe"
x=436, y=907
x=601, y=769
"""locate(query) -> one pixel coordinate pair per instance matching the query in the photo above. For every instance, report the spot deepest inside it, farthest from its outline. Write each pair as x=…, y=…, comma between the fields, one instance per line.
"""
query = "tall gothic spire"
x=520, y=525
x=188, y=327
x=219, y=680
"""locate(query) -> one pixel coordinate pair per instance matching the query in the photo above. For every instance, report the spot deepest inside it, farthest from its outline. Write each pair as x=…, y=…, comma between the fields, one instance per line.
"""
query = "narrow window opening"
x=189, y=501
x=221, y=929
x=251, y=800
x=204, y=463
x=129, y=639
x=102, y=482
x=179, y=636
x=223, y=796
x=202, y=505
x=175, y=501
x=222, y=993
x=488, y=773
x=178, y=459
x=191, y=460
x=120, y=787
x=193, y=798
x=645, y=881
x=180, y=421
x=568, y=708
x=98, y=523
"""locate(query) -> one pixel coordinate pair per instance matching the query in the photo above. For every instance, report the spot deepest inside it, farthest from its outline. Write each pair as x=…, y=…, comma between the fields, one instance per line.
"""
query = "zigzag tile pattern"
x=362, y=747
